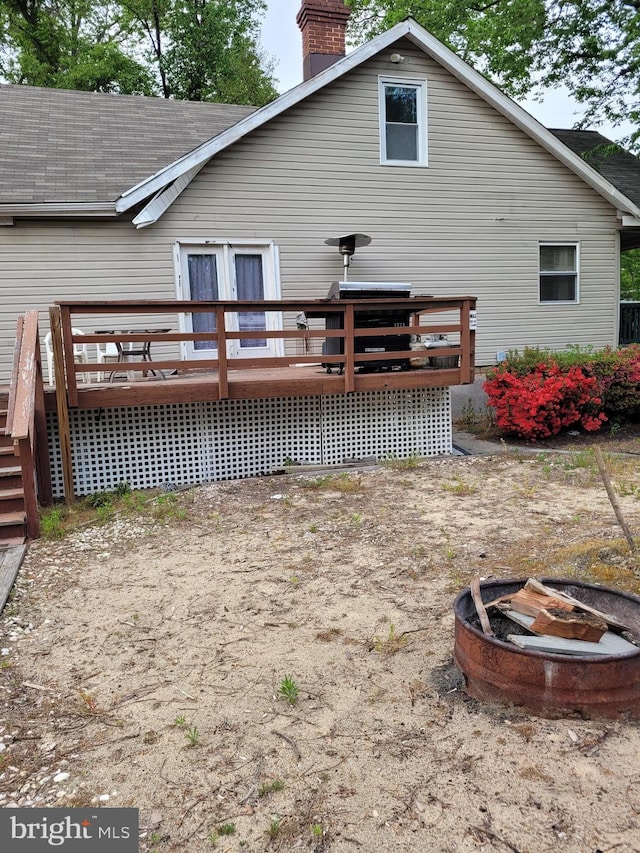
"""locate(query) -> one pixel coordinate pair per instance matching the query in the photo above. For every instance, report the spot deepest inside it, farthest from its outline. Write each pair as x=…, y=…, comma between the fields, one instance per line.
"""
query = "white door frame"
x=225, y=252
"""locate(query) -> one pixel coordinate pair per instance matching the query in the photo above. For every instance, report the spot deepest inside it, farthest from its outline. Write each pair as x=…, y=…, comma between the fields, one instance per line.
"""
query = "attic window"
x=558, y=272
x=403, y=122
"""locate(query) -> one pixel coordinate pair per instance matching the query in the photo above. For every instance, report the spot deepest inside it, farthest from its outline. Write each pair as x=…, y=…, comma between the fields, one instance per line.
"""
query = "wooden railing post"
x=64, y=431
x=67, y=360
x=223, y=374
x=349, y=349
x=40, y=437
x=467, y=342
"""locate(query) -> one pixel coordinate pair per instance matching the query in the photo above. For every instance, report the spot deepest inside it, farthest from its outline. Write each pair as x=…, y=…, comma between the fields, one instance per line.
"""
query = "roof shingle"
x=59, y=146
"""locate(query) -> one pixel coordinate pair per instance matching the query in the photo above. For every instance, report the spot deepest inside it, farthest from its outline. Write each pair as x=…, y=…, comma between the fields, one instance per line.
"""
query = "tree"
x=630, y=275
x=212, y=53
x=71, y=44
x=196, y=49
x=590, y=46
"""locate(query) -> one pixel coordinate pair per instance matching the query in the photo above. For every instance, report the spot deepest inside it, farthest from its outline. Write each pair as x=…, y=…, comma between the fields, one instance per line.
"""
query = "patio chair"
x=106, y=352
x=80, y=353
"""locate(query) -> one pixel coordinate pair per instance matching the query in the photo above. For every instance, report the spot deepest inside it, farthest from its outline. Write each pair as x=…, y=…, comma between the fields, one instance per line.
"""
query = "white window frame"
x=225, y=251
x=541, y=273
x=420, y=85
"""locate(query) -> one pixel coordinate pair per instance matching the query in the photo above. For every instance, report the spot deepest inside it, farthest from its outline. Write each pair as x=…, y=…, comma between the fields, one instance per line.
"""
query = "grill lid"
x=368, y=290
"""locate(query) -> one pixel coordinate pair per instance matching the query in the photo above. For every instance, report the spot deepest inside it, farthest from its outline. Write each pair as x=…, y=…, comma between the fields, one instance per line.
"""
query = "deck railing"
x=629, y=323
x=430, y=316
x=26, y=421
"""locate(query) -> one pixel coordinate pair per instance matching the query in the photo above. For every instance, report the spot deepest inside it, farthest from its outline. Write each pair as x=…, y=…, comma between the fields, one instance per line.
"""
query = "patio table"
x=135, y=350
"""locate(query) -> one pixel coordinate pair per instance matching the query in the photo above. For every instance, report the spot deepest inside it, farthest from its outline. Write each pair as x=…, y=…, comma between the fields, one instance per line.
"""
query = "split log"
x=571, y=625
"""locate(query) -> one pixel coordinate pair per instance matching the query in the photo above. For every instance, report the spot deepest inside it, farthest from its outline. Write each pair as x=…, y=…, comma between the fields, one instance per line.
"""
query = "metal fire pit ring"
x=495, y=670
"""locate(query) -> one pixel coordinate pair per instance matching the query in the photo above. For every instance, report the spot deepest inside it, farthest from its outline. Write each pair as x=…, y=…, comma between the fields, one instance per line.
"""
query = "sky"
x=282, y=41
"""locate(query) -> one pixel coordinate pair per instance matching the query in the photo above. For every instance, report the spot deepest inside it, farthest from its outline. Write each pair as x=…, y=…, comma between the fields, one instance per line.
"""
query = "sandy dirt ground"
x=146, y=661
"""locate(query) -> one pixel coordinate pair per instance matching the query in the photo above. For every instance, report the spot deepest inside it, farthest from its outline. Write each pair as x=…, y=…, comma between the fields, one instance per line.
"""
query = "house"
x=108, y=197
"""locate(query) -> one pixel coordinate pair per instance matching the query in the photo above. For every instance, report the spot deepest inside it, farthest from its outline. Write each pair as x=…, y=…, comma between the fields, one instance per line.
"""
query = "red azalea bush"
x=536, y=394
x=544, y=400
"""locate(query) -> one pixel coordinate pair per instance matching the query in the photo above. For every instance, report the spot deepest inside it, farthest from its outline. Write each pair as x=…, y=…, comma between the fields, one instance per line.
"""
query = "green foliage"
x=592, y=47
x=213, y=54
x=270, y=787
x=288, y=690
x=630, y=275
x=192, y=734
x=197, y=50
x=51, y=523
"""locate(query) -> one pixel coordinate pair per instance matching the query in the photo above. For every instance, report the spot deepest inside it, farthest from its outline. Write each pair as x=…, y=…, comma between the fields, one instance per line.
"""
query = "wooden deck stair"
x=13, y=516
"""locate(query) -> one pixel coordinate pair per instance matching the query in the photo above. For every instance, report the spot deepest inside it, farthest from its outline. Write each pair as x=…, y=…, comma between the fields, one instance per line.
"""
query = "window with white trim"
x=403, y=122
x=559, y=268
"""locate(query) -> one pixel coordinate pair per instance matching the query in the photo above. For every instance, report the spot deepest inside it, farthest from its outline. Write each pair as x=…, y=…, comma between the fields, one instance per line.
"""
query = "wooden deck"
x=220, y=376
x=242, y=384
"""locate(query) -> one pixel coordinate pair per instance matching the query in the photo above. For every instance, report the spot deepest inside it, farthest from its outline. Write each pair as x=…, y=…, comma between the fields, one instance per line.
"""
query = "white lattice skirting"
x=190, y=443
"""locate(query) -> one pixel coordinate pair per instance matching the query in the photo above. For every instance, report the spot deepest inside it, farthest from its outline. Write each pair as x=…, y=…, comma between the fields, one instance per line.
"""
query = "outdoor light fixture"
x=347, y=246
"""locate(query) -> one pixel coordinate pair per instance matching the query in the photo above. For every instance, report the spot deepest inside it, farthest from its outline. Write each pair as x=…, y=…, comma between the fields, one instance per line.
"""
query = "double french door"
x=230, y=271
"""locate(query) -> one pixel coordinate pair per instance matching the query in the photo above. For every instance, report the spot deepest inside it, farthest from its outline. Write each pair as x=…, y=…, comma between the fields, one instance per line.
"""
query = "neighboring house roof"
x=85, y=148
x=619, y=167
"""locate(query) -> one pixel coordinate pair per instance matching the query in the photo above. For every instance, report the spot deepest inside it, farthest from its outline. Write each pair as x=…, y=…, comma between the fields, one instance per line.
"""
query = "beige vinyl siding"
x=468, y=223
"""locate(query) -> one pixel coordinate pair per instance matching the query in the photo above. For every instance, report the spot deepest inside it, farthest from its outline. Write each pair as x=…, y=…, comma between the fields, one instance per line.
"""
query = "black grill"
x=370, y=318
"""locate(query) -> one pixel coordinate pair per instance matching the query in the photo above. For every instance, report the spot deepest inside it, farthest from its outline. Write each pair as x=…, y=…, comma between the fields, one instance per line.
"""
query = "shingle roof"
x=87, y=147
x=619, y=167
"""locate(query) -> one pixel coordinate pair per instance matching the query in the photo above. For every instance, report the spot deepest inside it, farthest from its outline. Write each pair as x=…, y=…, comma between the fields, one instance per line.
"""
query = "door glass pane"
x=203, y=284
x=250, y=285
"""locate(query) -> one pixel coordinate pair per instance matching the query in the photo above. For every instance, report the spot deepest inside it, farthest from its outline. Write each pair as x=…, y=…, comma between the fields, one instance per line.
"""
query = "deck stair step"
x=8, y=519
x=11, y=494
x=11, y=471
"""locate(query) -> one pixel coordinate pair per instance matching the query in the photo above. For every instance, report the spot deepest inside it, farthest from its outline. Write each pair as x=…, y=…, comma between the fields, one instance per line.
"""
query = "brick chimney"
x=323, y=24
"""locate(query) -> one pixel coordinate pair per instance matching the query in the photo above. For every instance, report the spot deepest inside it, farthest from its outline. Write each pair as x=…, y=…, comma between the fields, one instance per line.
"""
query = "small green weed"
x=270, y=787
x=105, y=512
x=274, y=828
x=579, y=459
x=51, y=523
x=288, y=690
x=316, y=830
x=390, y=644
x=180, y=722
x=409, y=463
x=192, y=735
x=98, y=499
x=345, y=483
x=459, y=486
x=226, y=829
x=122, y=489
x=167, y=508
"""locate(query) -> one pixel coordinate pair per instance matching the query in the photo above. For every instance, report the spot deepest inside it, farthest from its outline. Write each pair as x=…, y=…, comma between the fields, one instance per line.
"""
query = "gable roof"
x=619, y=167
x=130, y=138
x=170, y=181
x=84, y=149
